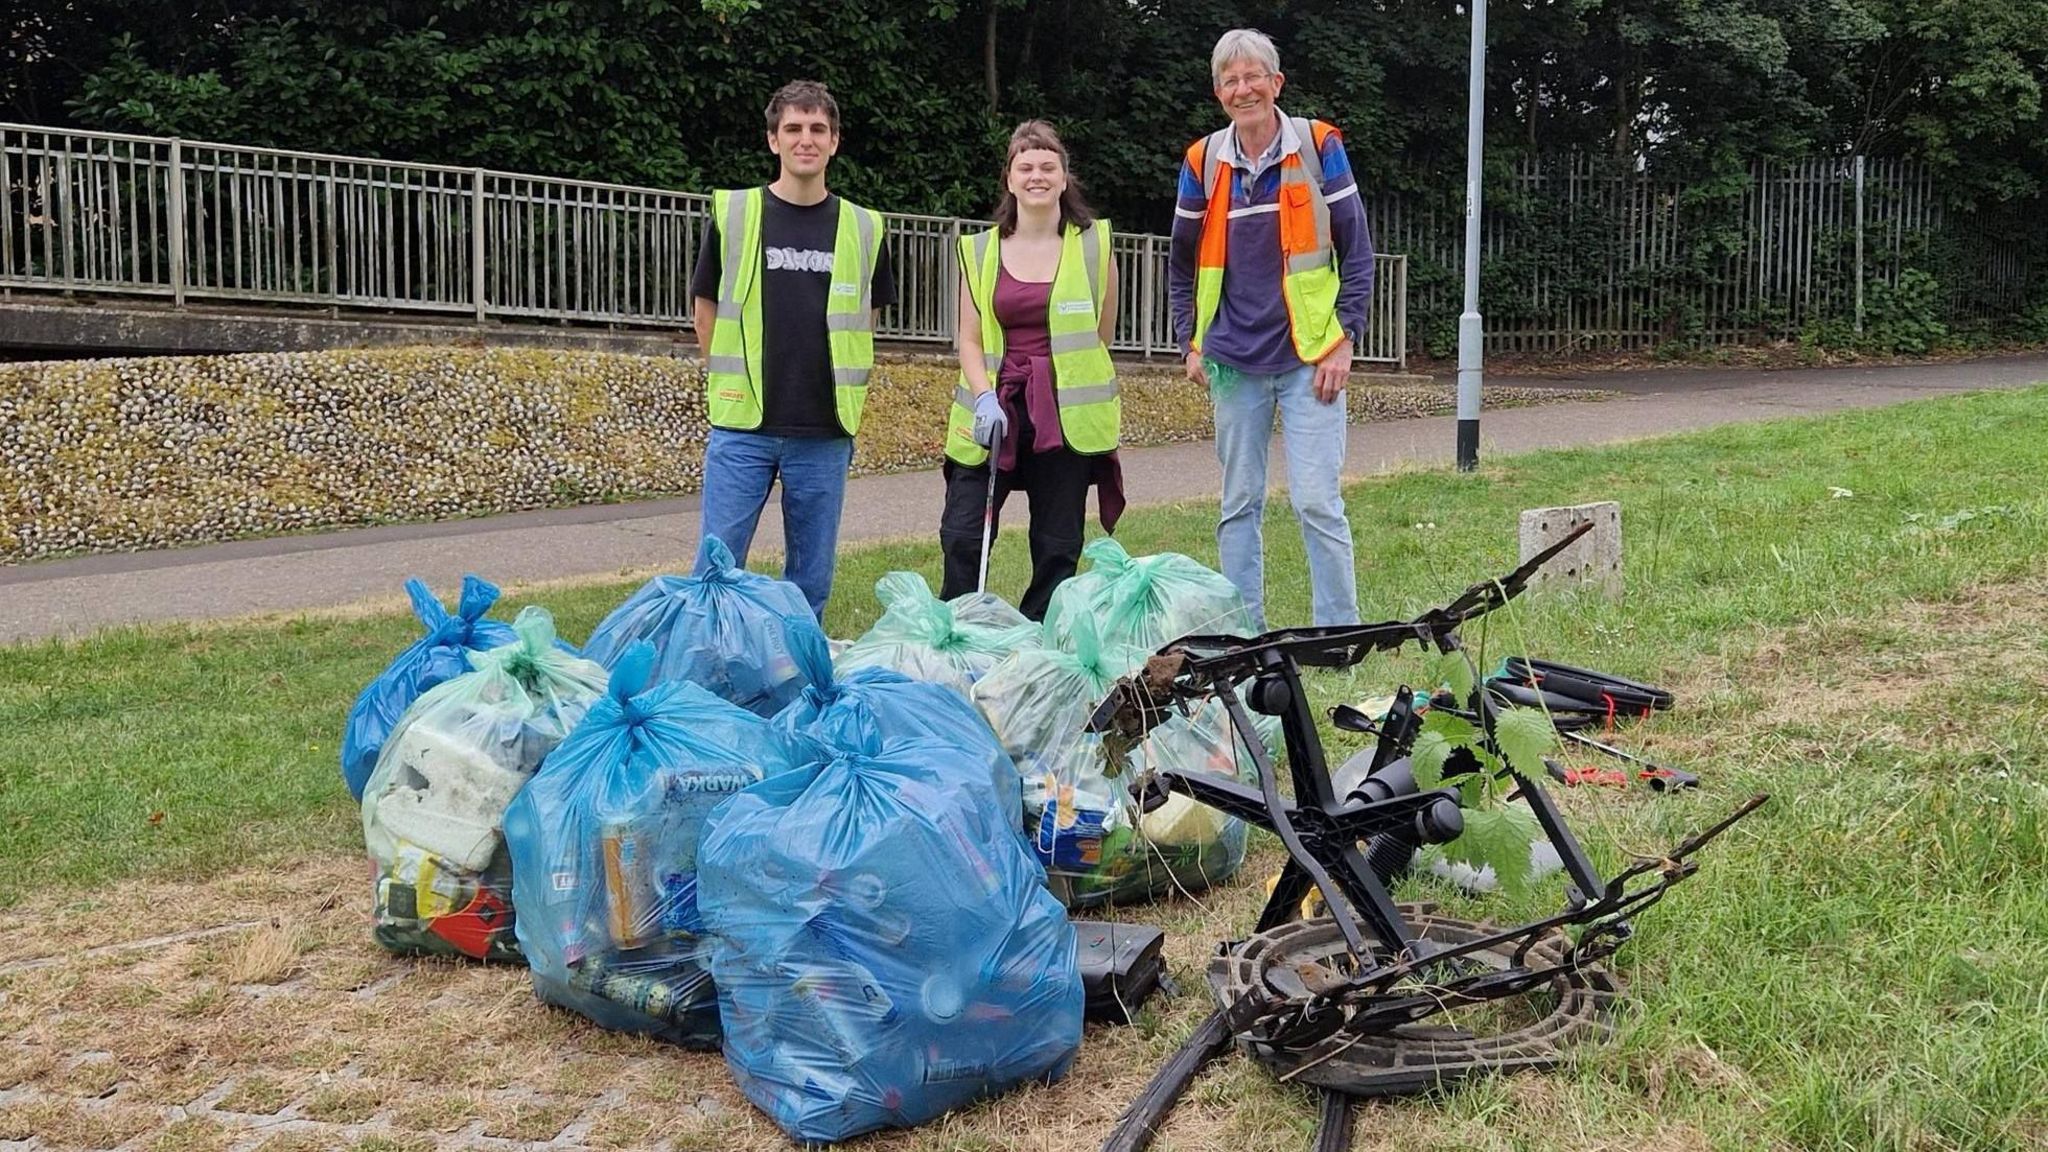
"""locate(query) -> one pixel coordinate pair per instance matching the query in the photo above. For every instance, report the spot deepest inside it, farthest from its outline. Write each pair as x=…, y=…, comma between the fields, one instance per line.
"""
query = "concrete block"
x=1594, y=560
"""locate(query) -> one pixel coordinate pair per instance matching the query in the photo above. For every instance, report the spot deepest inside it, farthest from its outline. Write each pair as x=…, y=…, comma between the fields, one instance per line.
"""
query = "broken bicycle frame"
x=1387, y=976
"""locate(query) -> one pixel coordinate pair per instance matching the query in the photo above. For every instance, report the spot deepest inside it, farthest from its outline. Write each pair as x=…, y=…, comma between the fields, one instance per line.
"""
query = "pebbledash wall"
x=106, y=455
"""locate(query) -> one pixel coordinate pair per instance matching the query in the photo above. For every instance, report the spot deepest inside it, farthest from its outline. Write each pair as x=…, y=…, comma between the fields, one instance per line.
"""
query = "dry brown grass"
x=172, y=1085
x=67, y=1124
x=297, y=1141
x=527, y=1119
x=436, y=1111
x=346, y=1103
x=262, y=1093
x=267, y=954
x=392, y=1142
x=88, y=1078
x=193, y=1134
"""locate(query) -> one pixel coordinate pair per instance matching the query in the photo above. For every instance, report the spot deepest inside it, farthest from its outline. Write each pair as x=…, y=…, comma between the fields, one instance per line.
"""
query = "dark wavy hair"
x=804, y=96
x=1074, y=209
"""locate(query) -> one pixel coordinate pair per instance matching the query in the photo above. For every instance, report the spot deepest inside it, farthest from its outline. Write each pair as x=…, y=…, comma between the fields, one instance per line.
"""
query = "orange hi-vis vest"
x=1308, y=259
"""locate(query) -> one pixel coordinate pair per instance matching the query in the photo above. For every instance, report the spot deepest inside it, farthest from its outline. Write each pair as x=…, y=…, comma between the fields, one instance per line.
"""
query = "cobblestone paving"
x=254, y=1014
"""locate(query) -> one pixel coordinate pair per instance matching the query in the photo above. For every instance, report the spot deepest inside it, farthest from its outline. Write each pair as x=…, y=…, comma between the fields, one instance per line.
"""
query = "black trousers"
x=1056, y=483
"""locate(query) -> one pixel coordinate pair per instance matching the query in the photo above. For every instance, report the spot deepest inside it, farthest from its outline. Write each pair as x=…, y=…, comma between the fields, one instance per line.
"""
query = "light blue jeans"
x=738, y=469
x=1314, y=435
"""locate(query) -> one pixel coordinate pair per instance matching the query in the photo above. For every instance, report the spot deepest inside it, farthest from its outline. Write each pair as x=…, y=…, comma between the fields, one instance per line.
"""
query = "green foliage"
x=1496, y=833
x=1441, y=734
x=2033, y=324
x=1525, y=737
x=1678, y=94
x=1904, y=317
x=669, y=91
x=1454, y=671
x=1499, y=838
x=1898, y=318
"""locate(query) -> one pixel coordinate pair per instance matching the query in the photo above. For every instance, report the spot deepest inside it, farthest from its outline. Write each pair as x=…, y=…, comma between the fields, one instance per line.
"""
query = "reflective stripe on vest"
x=732, y=370
x=1308, y=283
x=1084, y=378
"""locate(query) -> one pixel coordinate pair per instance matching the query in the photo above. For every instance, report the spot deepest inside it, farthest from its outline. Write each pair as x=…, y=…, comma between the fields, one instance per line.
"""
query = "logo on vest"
x=798, y=260
x=1070, y=307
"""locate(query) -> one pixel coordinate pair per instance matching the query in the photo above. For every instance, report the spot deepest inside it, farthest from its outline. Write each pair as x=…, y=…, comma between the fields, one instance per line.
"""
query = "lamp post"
x=1471, y=347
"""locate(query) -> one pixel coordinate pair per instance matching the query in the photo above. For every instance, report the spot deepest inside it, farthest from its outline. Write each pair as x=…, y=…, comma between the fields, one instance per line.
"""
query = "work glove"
x=991, y=423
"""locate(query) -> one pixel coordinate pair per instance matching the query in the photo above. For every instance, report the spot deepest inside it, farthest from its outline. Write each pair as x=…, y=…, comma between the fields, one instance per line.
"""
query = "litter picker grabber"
x=988, y=525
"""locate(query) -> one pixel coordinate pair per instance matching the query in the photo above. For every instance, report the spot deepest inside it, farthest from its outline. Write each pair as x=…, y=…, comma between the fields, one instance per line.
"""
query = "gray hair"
x=1243, y=44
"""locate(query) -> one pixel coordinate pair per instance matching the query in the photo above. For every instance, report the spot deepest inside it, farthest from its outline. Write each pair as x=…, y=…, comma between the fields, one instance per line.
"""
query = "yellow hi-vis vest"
x=732, y=372
x=1084, y=379
x=1309, y=280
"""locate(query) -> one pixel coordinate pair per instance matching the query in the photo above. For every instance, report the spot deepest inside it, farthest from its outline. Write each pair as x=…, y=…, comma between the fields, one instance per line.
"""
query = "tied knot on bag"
x=715, y=562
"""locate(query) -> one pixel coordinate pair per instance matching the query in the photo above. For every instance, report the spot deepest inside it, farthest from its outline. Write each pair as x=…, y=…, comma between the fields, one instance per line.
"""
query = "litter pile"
x=434, y=807
x=606, y=838
x=720, y=627
x=952, y=643
x=437, y=656
x=850, y=876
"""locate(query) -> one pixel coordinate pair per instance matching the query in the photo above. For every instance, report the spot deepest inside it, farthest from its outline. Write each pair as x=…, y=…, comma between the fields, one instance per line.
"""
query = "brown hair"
x=804, y=96
x=1074, y=209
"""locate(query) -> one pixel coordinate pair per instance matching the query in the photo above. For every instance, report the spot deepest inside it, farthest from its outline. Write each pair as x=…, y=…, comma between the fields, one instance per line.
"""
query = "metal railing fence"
x=119, y=214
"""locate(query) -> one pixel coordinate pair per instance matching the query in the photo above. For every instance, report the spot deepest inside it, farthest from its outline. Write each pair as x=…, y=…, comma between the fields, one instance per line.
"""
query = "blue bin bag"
x=604, y=851
x=948, y=642
x=721, y=627
x=433, y=658
x=884, y=952
x=845, y=713
x=1145, y=601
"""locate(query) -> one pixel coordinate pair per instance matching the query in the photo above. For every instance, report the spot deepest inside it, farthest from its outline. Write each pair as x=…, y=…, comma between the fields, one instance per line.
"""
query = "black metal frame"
x=1322, y=832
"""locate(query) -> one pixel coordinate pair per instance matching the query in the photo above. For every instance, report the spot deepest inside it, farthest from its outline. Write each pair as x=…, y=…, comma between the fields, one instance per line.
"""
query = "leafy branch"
x=1448, y=747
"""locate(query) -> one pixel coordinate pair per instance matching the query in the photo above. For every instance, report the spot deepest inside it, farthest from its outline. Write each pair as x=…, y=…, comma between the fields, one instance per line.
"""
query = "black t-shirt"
x=797, y=242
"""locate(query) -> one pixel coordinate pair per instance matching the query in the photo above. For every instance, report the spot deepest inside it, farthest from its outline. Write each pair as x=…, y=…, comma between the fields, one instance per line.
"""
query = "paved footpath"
x=333, y=569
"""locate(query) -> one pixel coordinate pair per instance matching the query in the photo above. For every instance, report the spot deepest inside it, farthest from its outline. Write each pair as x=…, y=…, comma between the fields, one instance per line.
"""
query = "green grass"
x=1857, y=966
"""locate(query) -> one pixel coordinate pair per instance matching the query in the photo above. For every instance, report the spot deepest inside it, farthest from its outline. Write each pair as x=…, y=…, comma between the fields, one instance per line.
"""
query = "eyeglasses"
x=1247, y=80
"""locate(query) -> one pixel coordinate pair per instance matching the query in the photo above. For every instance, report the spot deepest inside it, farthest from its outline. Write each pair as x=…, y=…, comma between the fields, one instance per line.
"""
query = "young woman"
x=1036, y=406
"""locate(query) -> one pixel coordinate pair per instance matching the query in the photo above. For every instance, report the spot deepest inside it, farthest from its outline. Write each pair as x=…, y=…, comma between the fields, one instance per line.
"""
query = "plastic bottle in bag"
x=433, y=809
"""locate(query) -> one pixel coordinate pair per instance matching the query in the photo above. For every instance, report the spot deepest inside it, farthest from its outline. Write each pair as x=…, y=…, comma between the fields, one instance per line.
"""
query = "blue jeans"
x=739, y=467
x=1314, y=435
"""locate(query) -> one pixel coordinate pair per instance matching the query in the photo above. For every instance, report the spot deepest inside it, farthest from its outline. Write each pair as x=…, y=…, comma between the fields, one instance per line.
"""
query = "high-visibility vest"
x=1309, y=265
x=1084, y=379
x=732, y=372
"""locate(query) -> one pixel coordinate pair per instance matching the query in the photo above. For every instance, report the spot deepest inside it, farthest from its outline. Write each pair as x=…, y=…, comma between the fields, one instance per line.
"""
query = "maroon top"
x=1023, y=308
x=1024, y=385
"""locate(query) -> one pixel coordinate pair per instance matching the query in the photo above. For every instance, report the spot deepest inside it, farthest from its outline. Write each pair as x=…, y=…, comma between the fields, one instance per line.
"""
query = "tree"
x=668, y=92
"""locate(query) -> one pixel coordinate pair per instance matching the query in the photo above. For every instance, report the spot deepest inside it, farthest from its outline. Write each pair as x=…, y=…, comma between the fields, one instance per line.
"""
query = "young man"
x=1269, y=275
x=788, y=281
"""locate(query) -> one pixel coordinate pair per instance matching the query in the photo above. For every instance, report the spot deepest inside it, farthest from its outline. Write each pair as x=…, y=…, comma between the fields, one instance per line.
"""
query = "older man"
x=1270, y=275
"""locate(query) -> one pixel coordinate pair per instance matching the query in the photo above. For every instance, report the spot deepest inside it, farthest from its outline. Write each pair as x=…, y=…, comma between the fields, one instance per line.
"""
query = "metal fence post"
x=476, y=242
x=333, y=232
x=1859, y=243
x=1148, y=294
x=175, y=220
x=949, y=291
x=1401, y=313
